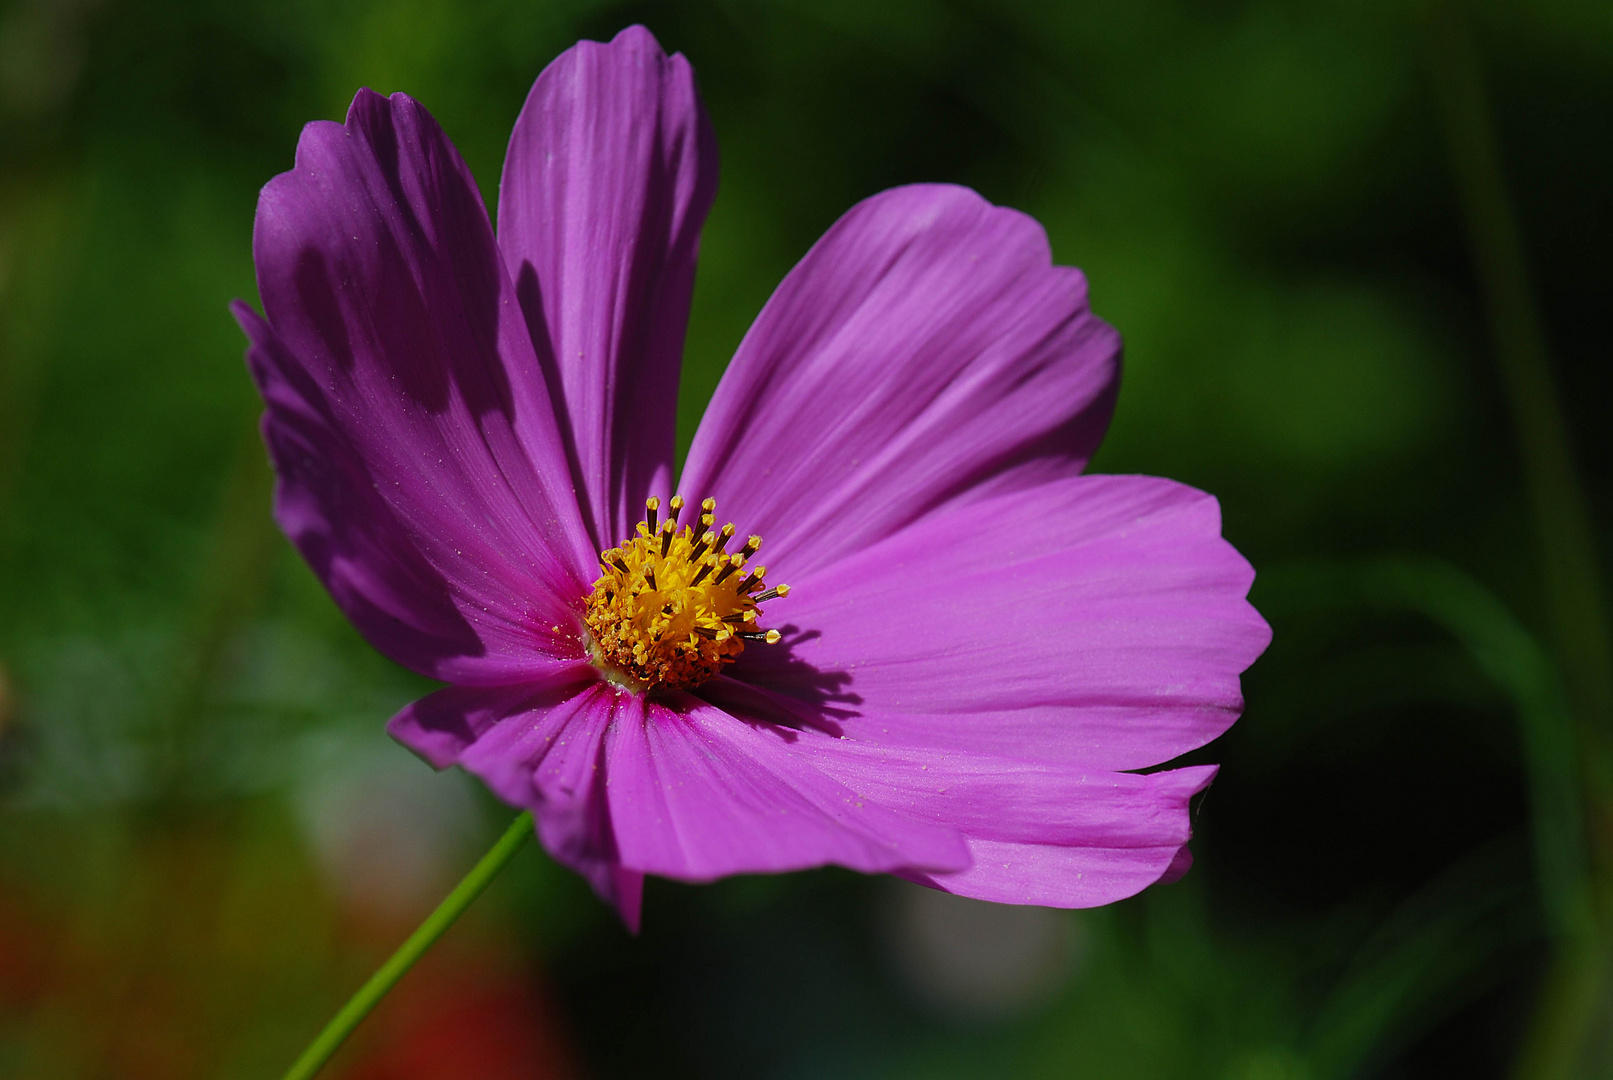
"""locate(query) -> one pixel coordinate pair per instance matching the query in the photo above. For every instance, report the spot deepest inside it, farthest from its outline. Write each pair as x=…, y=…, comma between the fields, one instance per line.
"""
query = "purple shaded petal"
x=421, y=473
x=925, y=351
x=1180, y=864
x=1039, y=833
x=538, y=746
x=696, y=794
x=610, y=172
x=1098, y=621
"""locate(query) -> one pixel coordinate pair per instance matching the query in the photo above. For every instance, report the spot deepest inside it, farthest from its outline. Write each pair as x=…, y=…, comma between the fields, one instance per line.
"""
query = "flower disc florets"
x=673, y=606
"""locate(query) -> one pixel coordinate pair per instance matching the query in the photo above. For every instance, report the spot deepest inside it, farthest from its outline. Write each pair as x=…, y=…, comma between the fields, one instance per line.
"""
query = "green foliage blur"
x=207, y=841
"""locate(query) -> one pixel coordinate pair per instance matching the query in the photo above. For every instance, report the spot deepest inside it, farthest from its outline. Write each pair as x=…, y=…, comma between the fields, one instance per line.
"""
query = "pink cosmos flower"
x=978, y=645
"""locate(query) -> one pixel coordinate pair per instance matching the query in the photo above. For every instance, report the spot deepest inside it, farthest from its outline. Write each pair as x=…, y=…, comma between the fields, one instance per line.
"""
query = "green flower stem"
x=371, y=993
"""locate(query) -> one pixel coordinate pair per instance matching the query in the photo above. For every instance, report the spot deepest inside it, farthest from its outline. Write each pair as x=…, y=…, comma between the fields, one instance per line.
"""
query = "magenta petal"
x=421, y=470
x=926, y=350
x=696, y=794
x=1039, y=833
x=1098, y=621
x=610, y=172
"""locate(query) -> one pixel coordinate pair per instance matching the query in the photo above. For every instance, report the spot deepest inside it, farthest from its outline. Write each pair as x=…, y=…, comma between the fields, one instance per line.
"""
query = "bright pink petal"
x=1052, y=876
x=420, y=469
x=696, y=794
x=610, y=172
x=621, y=787
x=925, y=351
x=1098, y=622
x=443, y=726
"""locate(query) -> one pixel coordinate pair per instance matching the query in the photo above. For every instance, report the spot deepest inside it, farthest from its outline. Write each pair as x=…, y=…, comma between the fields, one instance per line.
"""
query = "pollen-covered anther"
x=672, y=607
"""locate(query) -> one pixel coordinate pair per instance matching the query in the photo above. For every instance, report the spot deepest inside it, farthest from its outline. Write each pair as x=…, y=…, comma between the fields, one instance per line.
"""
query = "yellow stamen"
x=669, y=610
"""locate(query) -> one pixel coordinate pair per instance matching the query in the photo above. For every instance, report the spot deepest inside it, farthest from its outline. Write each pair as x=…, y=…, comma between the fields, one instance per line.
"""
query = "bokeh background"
x=1359, y=254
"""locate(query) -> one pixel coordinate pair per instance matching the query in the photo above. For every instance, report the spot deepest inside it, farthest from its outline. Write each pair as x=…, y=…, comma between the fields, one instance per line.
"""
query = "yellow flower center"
x=674, y=607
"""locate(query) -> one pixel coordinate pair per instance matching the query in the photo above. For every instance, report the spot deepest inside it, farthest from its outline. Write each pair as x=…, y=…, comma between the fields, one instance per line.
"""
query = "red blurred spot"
x=464, y=1016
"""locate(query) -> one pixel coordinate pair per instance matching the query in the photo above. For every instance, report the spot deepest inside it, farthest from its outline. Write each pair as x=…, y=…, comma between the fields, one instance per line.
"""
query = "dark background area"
x=207, y=841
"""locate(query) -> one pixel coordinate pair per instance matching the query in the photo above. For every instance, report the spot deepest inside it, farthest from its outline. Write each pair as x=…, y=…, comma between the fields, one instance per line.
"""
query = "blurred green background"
x=1359, y=254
